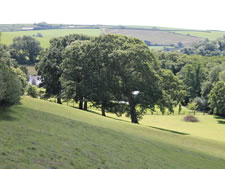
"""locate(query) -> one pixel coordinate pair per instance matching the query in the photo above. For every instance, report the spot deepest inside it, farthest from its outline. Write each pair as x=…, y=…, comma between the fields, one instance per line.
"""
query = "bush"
x=10, y=86
x=32, y=91
x=190, y=119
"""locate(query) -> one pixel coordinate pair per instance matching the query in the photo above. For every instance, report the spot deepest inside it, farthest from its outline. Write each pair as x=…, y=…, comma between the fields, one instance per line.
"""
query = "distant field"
x=7, y=37
x=152, y=27
x=211, y=35
x=159, y=37
x=40, y=134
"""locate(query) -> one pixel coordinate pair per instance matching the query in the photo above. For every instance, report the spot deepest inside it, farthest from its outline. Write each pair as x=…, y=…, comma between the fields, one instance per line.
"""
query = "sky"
x=190, y=14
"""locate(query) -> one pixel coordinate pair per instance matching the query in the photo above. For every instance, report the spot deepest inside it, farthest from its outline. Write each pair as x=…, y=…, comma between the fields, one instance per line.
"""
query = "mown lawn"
x=7, y=37
x=40, y=134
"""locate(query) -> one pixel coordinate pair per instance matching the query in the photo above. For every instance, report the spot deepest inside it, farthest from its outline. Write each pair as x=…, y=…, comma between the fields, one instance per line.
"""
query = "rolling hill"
x=158, y=36
x=7, y=37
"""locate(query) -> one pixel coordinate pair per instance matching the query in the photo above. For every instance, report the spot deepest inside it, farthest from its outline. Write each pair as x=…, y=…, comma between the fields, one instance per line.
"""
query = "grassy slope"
x=39, y=134
x=7, y=37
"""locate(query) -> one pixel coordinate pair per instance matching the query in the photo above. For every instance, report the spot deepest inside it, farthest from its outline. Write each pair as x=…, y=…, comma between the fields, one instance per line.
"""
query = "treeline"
x=116, y=73
x=12, y=79
x=207, y=48
x=203, y=77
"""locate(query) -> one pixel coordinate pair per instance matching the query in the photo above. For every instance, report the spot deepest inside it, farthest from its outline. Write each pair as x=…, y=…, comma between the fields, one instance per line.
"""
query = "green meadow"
x=41, y=134
x=7, y=37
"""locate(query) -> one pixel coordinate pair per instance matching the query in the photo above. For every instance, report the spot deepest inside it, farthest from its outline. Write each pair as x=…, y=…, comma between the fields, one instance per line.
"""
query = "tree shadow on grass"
x=221, y=119
x=6, y=114
x=171, y=131
x=94, y=112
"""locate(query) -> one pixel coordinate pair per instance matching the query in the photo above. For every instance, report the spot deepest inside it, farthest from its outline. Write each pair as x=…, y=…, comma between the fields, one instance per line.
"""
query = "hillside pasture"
x=40, y=134
x=156, y=37
x=7, y=37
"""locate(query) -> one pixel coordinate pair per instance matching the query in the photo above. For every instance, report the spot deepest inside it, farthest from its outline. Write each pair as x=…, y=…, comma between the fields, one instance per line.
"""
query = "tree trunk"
x=133, y=113
x=85, y=105
x=59, y=100
x=81, y=104
x=103, y=111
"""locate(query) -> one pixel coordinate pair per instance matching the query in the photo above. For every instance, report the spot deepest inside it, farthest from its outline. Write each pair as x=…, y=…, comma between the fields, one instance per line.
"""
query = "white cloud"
x=195, y=14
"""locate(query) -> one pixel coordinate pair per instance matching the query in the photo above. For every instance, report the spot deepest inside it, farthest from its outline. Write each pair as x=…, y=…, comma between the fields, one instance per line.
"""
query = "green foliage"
x=32, y=91
x=24, y=69
x=193, y=76
x=173, y=91
x=192, y=106
x=21, y=76
x=207, y=48
x=222, y=75
x=173, y=61
x=201, y=103
x=109, y=68
x=10, y=83
x=217, y=98
x=5, y=56
x=51, y=59
x=10, y=86
x=25, y=50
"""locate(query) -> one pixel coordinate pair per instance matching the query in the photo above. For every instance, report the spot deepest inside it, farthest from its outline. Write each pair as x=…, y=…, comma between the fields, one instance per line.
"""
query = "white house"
x=34, y=80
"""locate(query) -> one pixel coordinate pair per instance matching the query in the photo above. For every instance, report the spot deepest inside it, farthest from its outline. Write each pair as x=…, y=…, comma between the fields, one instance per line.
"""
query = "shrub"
x=10, y=86
x=32, y=91
x=190, y=119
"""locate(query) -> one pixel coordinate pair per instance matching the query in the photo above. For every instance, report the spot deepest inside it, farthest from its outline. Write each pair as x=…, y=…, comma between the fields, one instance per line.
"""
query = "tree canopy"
x=25, y=50
x=112, y=69
x=49, y=66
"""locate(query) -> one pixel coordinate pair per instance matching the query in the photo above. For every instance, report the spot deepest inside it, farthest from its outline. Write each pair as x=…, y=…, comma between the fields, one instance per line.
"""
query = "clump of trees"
x=116, y=73
x=200, y=75
x=207, y=48
x=25, y=50
x=49, y=66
